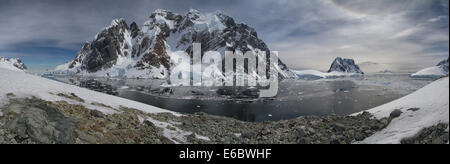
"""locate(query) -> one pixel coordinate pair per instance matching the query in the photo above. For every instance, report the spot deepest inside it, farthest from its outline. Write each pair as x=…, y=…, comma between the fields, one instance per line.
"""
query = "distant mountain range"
x=130, y=51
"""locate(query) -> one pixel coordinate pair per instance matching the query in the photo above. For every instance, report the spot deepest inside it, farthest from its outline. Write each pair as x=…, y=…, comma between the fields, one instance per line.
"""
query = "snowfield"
x=24, y=85
x=432, y=101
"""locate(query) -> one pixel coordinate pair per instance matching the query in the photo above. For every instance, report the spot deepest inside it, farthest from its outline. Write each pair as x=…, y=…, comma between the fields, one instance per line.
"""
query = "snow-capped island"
x=150, y=51
x=340, y=67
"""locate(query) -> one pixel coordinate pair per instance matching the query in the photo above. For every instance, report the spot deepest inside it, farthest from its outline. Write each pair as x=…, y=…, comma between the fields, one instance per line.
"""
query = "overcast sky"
x=405, y=34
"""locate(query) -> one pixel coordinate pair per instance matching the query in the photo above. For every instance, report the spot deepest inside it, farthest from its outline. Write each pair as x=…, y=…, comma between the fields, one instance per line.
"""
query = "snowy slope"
x=433, y=105
x=63, y=67
x=13, y=64
x=25, y=85
x=8, y=66
x=435, y=71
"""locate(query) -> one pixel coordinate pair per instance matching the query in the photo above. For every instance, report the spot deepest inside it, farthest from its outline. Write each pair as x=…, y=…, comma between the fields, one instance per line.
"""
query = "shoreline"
x=81, y=125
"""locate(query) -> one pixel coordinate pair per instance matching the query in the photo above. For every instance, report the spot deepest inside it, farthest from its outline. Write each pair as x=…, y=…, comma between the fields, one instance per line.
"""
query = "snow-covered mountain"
x=14, y=64
x=437, y=71
x=344, y=65
x=130, y=51
x=339, y=68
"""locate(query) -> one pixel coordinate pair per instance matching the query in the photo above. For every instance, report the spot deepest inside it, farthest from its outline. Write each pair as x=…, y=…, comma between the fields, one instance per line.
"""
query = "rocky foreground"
x=35, y=121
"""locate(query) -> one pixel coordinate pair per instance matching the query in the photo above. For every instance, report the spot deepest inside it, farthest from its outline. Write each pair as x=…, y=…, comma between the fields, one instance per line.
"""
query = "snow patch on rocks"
x=13, y=64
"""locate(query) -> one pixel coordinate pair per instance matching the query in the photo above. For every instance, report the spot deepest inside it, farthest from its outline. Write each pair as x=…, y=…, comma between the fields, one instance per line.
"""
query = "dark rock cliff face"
x=103, y=52
x=148, y=45
x=19, y=64
x=444, y=65
x=345, y=65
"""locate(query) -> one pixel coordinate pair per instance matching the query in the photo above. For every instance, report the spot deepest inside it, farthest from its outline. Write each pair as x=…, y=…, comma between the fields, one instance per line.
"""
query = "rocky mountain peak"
x=444, y=65
x=161, y=12
x=344, y=65
x=195, y=11
x=164, y=14
x=12, y=64
x=226, y=20
x=119, y=22
x=146, y=50
x=134, y=29
x=193, y=14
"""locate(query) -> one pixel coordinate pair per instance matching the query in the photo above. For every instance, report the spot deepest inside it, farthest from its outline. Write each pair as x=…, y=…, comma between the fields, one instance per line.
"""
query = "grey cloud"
x=308, y=33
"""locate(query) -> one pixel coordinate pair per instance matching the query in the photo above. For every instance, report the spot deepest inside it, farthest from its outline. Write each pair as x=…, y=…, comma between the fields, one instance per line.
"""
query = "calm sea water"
x=296, y=97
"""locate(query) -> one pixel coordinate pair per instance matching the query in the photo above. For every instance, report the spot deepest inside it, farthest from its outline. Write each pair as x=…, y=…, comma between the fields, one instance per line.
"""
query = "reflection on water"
x=296, y=97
